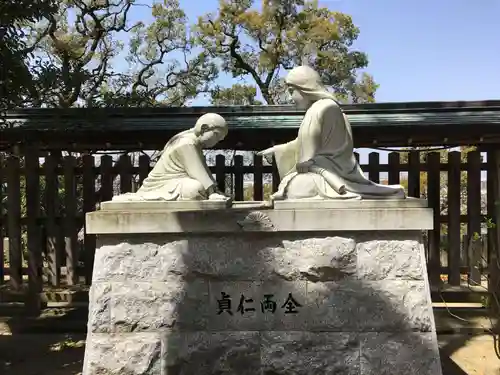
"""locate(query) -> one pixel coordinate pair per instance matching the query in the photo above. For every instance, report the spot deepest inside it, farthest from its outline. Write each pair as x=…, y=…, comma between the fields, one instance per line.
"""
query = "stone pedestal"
x=253, y=290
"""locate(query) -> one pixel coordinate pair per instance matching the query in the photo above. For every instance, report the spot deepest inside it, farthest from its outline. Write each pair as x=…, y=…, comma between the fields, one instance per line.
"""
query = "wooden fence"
x=44, y=201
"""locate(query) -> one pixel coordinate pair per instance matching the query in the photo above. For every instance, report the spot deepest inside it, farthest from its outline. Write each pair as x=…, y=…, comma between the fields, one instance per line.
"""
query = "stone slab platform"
x=308, y=204
x=259, y=217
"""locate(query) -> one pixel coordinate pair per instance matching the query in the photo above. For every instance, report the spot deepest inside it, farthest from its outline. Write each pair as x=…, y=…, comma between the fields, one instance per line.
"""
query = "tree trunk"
x=267, y=96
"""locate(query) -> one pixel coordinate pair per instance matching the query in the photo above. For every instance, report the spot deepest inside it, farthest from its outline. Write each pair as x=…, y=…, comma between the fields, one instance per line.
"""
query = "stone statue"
x=182, y=172
x=320, y=162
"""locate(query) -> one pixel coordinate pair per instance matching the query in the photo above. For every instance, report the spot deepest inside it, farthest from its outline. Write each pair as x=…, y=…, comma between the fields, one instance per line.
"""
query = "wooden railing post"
x=2, y=220
x=394, y=168
x=35, y=265
x=434, y=201
x=14, y=221
x=51, y=213
x=143, y=168
x=494, y=231
x=238, y=178
x=107, y=177
x=414, y=174
x=125, y=167
x=374, y=167
x=258, y=178
x=220, y=172
x=474, y=217
x=89, y=203
x=71, y=228
x=454, y=240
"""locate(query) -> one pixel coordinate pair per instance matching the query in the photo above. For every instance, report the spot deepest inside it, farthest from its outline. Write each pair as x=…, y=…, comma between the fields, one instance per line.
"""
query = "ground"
x=42, y=346
x=475, y=356
x=41, y=354
x=50, y=354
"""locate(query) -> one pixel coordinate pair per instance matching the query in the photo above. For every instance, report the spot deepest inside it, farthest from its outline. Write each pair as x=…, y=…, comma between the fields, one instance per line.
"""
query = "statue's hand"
x=217, y=197
x=267, y=154
x=304, y=166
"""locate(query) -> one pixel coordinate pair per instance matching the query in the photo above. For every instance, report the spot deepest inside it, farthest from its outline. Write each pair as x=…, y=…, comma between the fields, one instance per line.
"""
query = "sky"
x=419, y=50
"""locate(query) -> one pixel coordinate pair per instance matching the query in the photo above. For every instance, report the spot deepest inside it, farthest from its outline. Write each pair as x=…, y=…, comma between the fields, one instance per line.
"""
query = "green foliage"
x=76, y=46
x=15, y=82
x=248, y=192
x=235, y=95
x=63, y=54
x=284, y=34
x=160, y=78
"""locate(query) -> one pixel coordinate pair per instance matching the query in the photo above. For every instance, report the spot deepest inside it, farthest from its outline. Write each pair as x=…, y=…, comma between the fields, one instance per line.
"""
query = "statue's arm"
x=196, y=166
x=278, y=148
x=291, y=144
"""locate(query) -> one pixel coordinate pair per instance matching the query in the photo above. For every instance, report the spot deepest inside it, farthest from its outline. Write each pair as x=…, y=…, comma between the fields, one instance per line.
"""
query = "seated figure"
x=182, y=172
x=320, y=162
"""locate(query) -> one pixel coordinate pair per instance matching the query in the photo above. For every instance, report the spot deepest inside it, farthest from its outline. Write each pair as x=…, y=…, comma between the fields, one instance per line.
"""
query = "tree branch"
x=242, y=64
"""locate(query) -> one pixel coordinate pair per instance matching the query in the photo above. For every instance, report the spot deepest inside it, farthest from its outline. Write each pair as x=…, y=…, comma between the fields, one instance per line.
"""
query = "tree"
x=77, y=47
x=235, y=95
x=15, y=82
x=183, y=77
x=284, y=34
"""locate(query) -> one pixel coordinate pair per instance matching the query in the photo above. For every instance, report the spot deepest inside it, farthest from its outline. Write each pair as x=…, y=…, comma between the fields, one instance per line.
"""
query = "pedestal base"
x=265, y=302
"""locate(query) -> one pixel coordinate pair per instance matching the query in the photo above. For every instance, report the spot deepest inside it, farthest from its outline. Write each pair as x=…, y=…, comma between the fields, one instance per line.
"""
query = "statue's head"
x=210, y=129
x=306, y=87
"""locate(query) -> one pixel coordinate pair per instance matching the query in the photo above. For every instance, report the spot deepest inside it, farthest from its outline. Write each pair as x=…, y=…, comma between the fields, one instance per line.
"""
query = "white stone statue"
x=320, y=162
x=182, y=172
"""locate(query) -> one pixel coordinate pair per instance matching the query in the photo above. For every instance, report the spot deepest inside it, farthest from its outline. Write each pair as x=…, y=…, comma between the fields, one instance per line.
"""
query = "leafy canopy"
x=236, y=95
x=89, y=53
x=14, y=51
x=79, y=55
x=260, y=43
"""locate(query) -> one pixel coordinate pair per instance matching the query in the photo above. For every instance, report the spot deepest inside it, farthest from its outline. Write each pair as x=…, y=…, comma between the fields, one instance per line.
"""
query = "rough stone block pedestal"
x=252, y=290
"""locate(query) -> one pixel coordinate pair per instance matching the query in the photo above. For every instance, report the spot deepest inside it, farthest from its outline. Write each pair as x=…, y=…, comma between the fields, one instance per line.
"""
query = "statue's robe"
x=181, y=173
x=325, y=139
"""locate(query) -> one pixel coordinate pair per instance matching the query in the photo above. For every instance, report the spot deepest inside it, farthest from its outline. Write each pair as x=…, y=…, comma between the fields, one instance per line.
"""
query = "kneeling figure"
x=182, y=173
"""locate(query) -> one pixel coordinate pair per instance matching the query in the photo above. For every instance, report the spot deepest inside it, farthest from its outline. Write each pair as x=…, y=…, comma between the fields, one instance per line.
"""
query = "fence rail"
x=44, y=201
